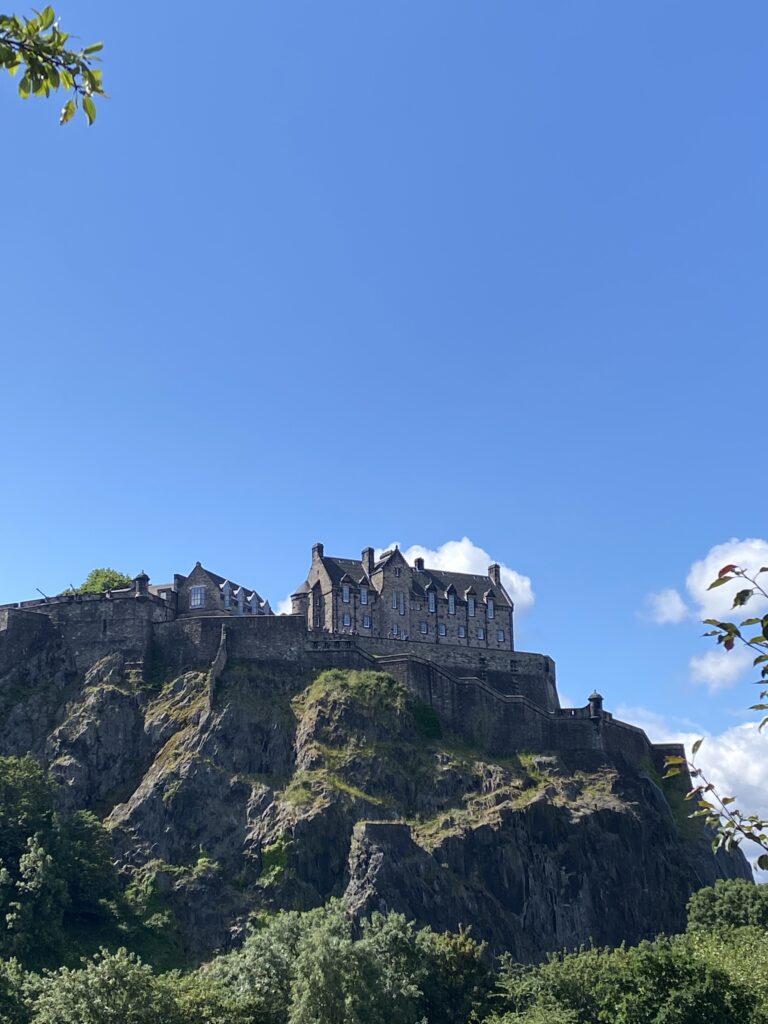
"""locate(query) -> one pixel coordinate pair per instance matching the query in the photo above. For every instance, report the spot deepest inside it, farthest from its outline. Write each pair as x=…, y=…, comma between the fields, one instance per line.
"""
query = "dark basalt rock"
x=273, y=790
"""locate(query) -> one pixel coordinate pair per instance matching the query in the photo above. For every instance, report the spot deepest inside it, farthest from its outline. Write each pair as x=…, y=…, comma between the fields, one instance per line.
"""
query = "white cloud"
x=735, y=760
x=719, y=668
x=750, y=554
x=284, y=607
x=464, y=556
x=665, y=606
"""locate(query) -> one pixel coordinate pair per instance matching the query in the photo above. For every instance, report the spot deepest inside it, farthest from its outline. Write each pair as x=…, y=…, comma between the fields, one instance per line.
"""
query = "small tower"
x=595, y=706
x=141, y=585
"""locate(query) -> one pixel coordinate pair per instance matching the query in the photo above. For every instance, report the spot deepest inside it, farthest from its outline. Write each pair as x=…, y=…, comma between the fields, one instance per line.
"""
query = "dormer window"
x=471, y=605
x=363, y=595
x=431, y=602
x=451, y=604
x=345, y=593
x=227, y=596
x=398, y=571
x=491, y=608
x=197, y=597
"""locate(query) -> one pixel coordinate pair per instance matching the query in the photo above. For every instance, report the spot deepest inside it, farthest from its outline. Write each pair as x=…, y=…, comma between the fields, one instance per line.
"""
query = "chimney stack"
x=494, y=571
x=419, y=564
x=317, y=551
x=368, y=560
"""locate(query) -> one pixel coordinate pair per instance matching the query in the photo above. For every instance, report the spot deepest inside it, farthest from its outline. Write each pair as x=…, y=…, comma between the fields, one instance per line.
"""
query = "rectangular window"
x=462, y=632
x=317, y=622
x=347, y=619
x=441, y=629
x=395, y=631
x=481, y=633
x=363, y=595
x=451, y=604
x=366, y=622
x=402, y=602
x=394, y=599
x=345, y=593
x=501, y=636
x=197, y=597
x=398, y=571
x=423, y=628
x=471, y=605
x=431, y=600
x=227, y=598
x=491, y=608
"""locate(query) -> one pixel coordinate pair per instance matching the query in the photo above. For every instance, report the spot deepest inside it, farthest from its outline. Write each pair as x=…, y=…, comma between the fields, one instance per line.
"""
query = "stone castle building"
x=388, y=598
x=447, y=636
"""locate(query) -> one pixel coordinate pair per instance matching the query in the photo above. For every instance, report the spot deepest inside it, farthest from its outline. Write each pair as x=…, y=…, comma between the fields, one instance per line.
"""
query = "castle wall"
x=504, y=702
x=511, y=672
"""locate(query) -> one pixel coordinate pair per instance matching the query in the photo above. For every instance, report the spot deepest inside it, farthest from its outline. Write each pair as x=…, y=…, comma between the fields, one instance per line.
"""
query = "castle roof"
x=338, y=568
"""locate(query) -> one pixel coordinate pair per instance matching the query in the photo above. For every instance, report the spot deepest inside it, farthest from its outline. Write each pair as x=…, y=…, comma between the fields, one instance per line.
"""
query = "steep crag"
x=275, y=785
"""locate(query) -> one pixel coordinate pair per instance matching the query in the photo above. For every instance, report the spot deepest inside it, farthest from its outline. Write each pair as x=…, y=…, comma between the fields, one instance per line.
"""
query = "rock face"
x=262, y=785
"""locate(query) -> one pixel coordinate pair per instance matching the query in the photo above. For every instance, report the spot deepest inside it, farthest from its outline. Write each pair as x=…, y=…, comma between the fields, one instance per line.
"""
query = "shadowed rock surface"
x=265, y=785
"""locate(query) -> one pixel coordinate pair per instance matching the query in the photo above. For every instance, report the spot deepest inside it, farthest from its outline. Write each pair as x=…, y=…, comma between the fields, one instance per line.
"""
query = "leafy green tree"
x=14, y=1004
x=653, y=983
x=57, y=879
x=38, y=48
x=99, y=580
x=111, y=988
x=729, y=904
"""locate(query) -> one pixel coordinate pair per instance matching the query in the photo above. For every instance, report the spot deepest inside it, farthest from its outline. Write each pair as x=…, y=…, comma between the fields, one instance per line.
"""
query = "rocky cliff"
x=251, y=786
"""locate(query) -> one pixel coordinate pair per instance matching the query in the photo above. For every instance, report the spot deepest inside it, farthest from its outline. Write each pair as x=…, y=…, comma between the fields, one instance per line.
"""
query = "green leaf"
x=696, y=746
x=93, y=48
x=90, y=109
x=759, y=658
x=728, y=799
x=47, y=18
x=67, y=112
x=671, y=772
x=750, y=622
x=25, y=87
x=673, y=759
x=762, y=861
x=719, y=582
x=741, y=598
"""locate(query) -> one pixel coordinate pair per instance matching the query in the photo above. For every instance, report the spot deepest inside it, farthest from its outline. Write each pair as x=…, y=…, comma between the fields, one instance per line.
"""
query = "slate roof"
x=249, y=594
x=337, y=568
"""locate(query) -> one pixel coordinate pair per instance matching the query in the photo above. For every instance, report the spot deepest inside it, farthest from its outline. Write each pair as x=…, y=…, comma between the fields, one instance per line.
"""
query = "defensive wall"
x=503, y=701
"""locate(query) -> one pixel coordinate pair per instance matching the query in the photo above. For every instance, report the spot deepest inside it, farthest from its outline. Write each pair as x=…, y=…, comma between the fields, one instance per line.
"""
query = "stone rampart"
x=502, y=701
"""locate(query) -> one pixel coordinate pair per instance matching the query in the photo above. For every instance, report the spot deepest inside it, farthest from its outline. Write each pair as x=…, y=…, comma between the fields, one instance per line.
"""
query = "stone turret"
x=141, y=585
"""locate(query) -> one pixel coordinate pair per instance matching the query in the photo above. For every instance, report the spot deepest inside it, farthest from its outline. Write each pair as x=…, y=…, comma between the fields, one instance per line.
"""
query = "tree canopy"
x=39, y=49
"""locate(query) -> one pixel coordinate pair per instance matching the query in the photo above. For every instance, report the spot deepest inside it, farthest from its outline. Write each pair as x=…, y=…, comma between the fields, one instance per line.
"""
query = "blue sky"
x=400, y=271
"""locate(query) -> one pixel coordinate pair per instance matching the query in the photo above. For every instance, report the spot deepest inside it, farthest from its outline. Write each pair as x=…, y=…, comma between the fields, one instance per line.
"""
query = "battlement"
x=502, y=700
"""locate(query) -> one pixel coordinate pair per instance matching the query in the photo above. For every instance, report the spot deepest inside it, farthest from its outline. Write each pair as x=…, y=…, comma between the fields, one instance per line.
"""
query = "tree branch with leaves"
x=38, y=49
x=731, y=825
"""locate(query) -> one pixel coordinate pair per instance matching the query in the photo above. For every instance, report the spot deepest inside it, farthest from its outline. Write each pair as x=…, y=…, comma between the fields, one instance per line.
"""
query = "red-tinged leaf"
x=726, y=569
x=728, y=643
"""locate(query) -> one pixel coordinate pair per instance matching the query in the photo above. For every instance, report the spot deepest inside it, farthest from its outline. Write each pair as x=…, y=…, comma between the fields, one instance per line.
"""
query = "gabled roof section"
x=463, y=583
x=338, y=568
x=235, y=588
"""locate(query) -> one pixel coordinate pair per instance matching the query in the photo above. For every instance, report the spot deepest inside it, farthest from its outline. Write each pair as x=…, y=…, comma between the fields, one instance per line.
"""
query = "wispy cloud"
x=665, y=606
x=718, y=669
